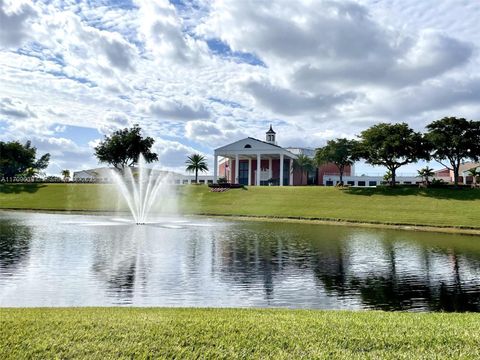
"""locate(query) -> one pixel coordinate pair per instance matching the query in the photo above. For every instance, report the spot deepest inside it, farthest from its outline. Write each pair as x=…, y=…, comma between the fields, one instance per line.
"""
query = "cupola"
x=270, y=136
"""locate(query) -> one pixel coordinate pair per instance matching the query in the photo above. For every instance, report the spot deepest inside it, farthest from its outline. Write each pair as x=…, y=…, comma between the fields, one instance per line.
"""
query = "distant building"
x=464, y=177
x=104, y=174
x=252, y=161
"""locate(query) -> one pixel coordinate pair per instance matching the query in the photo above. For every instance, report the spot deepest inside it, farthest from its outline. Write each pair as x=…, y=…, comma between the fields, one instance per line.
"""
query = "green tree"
x=16, y=158
x=196, y=163
x=30, y=172
x=392, y=146
x=123, y=148
x=65, y=174
x=453, y=140
x=475, y=174
x=303, y=164
x=426, y=173
x=387, y=176
x=339, y=152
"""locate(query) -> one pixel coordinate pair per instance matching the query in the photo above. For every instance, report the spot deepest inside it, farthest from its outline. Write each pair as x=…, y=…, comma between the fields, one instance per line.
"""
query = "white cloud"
x=15, y=109
x=14, y=19
x=161, y=28
x=331, y=69
x=168, y=109
x=113, y=121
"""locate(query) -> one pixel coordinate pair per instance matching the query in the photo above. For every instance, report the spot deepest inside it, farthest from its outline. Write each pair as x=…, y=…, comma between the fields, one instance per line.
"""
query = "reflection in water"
x=14, y=245
x=232, y=264
x=115, y=261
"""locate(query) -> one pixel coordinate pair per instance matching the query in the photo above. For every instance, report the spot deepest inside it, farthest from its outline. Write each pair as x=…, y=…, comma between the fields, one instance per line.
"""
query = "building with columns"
x=252, y=161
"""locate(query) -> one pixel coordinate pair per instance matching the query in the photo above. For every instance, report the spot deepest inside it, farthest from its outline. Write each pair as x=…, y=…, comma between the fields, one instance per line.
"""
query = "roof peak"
x=270, y=131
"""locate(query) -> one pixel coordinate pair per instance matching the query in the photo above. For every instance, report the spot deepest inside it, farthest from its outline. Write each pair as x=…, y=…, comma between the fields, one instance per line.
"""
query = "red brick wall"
x=321, y=171
x=331, y=169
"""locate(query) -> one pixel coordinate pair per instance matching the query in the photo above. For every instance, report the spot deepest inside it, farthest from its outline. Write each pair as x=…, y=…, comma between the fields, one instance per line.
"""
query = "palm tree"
x=65, y=174
x=196, y=163
x=303, y=164
x=30, y=172
x=425, y=174
x=388, y=177
x=475, y=173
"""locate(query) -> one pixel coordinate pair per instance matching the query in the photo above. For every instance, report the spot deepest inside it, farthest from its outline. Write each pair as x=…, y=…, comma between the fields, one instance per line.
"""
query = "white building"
x=104, y=174
x=252, y=161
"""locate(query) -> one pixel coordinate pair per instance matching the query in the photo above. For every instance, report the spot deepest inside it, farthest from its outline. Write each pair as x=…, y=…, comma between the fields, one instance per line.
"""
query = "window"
x=248, y=146
x=185, y=181
x=201, y=181
x=329, y=183
x=361, y=183
x=372, y=183
x=243, y=173
x=351, y=183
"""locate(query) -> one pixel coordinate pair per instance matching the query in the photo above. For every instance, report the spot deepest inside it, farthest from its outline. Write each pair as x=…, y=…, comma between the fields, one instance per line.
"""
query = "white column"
x=281, y=169
x=270, y=168
x=215, y=168
x=249, y=171
x=291, y=172
x=259, y=159
x=237, y=165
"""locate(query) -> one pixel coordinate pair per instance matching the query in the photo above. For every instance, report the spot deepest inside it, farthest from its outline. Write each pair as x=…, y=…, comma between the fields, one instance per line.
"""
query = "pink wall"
x=297, y=178
x=331, y=169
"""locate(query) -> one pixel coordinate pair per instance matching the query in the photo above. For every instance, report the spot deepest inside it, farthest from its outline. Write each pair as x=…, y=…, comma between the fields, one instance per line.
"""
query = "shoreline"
x=461, y=230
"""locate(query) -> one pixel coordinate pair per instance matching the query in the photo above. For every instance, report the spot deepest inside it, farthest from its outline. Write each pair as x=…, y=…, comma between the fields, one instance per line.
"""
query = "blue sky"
x=199, y=74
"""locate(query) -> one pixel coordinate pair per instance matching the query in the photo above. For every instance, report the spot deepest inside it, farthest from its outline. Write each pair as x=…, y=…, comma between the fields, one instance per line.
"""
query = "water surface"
x=90, y=260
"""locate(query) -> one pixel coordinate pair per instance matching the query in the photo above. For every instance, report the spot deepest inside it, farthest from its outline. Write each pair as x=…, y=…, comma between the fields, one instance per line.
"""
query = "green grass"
x=108, y=333
x=435, y=207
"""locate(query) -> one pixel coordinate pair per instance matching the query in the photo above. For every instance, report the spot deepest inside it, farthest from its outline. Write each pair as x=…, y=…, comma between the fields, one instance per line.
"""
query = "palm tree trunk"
x=196, y=176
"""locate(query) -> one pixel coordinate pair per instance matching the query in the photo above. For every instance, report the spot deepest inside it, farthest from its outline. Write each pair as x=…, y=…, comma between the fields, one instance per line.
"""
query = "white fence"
x=366, y=181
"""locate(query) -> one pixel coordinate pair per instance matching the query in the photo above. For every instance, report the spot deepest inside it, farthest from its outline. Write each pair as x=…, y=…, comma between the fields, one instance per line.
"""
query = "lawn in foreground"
x=235, y=333
x=436, y=207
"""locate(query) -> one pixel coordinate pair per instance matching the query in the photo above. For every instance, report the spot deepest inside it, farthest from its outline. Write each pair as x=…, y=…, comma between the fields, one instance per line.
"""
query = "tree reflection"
x=402, y=281
x=116, y=262
x=15, y=240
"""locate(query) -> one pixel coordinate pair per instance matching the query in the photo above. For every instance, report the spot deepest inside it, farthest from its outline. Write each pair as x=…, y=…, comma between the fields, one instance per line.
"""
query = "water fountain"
x=140, y=187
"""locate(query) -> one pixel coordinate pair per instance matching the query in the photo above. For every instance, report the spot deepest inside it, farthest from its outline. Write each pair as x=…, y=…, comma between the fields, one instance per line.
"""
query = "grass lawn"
x=104, y=333
x=436, y=207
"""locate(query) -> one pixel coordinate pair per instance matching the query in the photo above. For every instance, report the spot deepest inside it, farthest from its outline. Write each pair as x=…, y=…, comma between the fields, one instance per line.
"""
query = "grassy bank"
x=433, y=207
x=233, y=333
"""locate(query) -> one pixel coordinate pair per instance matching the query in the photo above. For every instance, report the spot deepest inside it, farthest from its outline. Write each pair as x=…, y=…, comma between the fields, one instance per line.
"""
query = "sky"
x=196, y=75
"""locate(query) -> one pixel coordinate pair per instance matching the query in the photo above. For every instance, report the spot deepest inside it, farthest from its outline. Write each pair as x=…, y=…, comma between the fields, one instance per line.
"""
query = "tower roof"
x=270, y=131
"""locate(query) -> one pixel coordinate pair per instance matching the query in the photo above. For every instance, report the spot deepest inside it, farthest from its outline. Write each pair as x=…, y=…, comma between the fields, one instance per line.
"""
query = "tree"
x=123, y=148
x=453, y=140
x=426, y=173
x=30, y=172
x=65, y=174
x=392, y=146
x=475, y=174
x=16, y=158
x=196, y=163
x=387, y=176
x=304, y=164
x=339, y=152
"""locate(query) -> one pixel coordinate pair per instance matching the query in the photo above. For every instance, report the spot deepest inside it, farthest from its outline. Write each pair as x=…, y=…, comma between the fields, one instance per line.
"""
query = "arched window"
x=248, y=146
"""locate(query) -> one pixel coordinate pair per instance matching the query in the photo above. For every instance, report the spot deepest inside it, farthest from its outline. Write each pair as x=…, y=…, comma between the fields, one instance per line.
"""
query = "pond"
x=49, y=259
